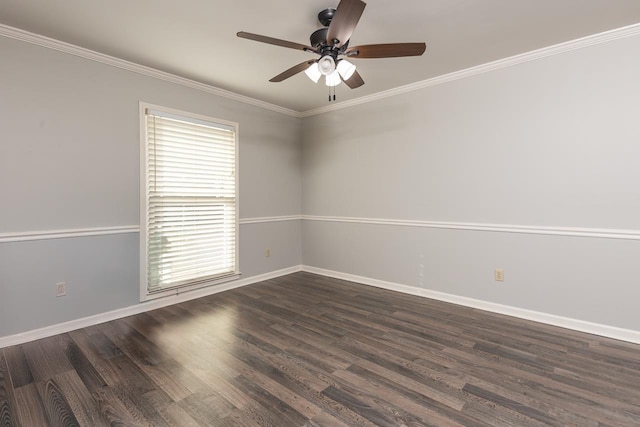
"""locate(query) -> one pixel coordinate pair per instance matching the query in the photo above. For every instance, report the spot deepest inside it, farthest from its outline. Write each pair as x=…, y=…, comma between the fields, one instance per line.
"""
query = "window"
x=189, y=225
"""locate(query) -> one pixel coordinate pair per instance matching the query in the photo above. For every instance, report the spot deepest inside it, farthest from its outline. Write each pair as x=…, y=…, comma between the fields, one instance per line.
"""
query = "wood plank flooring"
x=307, y=350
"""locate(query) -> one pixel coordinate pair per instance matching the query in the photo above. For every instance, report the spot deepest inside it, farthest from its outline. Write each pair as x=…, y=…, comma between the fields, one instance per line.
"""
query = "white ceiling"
x=197, y=39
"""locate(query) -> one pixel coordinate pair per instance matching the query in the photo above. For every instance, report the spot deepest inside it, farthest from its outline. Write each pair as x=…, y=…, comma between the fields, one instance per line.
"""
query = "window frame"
x=145, y=294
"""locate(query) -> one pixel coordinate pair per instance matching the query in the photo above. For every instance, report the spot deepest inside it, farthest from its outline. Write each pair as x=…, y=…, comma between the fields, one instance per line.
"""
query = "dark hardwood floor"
x=306, y=350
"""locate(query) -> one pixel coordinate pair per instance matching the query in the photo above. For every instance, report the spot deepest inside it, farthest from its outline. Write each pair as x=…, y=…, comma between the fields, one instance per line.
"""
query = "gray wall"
x=69, y=159
x=548, y=143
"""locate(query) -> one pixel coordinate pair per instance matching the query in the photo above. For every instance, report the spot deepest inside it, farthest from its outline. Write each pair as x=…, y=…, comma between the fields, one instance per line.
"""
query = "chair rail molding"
x=25, y=236
x=602, y=233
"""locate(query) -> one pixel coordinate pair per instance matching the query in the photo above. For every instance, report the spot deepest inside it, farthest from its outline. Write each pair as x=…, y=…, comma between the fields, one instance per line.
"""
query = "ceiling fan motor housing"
x=319, y=37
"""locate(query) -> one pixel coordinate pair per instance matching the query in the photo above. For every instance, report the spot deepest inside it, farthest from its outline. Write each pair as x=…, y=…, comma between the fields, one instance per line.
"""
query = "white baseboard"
x=550, y=319
x=536, y=316
x=84, y=322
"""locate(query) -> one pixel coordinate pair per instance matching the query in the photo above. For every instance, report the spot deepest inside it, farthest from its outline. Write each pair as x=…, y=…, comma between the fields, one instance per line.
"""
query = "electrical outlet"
x=267, y=252
x=498, y=274
x=61, y=289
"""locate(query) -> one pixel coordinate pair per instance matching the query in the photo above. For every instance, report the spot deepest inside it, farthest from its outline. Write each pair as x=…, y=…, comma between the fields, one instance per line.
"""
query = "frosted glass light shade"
x=333, y=79
x=346, y=69
x=326, y=65
x=313, y=72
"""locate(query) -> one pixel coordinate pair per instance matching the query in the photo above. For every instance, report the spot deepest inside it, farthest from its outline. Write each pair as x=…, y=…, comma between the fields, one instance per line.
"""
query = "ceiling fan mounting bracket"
x=325, y=16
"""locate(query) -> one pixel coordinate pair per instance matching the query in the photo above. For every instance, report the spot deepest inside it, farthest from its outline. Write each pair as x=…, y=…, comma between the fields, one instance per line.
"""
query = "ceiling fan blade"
x=390, y=50
x=344, y=21
x=277, y=42
x=292, y=71
x=354, y=81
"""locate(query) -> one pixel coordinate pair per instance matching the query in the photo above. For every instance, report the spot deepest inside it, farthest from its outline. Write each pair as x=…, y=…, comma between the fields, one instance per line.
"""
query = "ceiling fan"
x=332, y=44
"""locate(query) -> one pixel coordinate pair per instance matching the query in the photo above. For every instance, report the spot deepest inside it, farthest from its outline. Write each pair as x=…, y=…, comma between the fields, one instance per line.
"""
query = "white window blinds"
x=191, y=204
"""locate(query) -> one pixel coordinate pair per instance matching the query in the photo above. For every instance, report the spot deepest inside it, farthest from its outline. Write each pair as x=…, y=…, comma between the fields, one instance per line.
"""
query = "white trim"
x=84, y=322
x=188, y=288
x=536, y=316
x=550, y=319
x=25, y=36
x=142, y=200
x=24, y=236
x=270, y=219
x=560, y=48
x=602, y=233
x=534, y=55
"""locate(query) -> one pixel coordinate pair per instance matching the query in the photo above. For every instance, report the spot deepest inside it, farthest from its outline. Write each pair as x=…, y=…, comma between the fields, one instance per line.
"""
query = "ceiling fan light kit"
x=326, y=64
x=313, y=72
x=346, y=69
x=333, y=79
x=332, y=43
x=334, y=75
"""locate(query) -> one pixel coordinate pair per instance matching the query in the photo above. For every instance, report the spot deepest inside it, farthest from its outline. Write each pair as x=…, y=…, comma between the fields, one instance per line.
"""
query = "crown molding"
x=607, y=36
x=25, y=36
x=534, y=55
